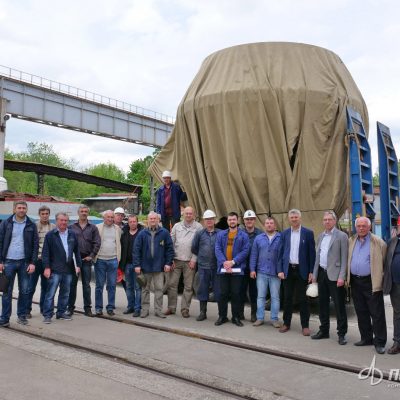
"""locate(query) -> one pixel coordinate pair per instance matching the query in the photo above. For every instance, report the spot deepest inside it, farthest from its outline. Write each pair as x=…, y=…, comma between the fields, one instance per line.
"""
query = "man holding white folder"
x=231, y=249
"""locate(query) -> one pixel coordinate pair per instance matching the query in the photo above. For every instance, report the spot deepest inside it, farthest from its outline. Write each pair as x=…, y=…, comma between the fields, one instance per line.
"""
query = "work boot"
x=253, y=312
x=203, y=311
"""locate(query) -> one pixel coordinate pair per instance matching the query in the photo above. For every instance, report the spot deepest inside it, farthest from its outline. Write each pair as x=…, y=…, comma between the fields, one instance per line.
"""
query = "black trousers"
x=169, y=222
x=326, y=290
x=230, y=286
x=369, y=307
x=86, y=274
x=250, y=283
x=395, y=300
x=294, y=282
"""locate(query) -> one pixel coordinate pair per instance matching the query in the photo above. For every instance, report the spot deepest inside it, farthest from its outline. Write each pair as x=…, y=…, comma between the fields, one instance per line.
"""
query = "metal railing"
x=81, y=93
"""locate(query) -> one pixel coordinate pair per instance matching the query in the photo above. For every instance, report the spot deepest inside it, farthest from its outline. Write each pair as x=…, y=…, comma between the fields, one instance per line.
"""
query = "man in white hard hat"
x=119, y=215
x=203, y=246
x=185, y=262
x=169, y=199
x=249, y=219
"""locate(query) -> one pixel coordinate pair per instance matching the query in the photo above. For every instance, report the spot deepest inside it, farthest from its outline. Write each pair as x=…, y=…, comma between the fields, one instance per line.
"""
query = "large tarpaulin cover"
x=263, y=127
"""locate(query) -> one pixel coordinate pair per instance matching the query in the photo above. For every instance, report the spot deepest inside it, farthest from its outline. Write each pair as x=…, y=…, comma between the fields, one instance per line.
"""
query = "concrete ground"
x=265, y=375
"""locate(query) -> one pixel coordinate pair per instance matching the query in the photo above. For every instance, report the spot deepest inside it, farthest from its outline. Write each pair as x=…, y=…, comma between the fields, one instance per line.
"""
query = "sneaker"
x=64, y=317
x=136, y=314
x=47, y=320
x=99, y=313
x=258, y=322
x=69, y=312
x=144, y=314
x=4, y=324
x=159, y=314
x=276, y=324
x=22, y=321
x=185, y=313
x=110, y=312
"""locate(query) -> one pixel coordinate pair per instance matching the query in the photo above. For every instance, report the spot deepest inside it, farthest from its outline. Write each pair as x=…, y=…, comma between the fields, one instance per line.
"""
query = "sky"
x=147, y=52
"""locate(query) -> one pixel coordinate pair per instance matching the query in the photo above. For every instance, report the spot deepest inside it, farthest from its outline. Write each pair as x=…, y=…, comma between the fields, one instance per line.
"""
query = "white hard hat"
x=167, y=174
x=312, y=290
x=209, y=214
x=249, y=214
x=119, y=210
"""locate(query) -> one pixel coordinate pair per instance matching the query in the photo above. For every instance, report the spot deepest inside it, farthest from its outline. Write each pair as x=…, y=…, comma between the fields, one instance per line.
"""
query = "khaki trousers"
x=181, y=267
x=158, y=280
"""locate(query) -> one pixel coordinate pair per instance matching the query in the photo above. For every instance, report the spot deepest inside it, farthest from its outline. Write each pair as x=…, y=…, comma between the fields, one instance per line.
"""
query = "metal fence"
x=81, y=93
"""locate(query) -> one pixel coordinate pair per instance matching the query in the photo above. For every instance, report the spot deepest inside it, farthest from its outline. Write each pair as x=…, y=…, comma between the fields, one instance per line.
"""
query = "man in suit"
x=330, y=273
x=391, y=285
x=365, y=273
x=297, y=257
x=59, y=249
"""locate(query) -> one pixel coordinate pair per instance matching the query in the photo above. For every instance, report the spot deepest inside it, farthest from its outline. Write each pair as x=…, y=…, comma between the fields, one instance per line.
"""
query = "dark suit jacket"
x=387, y=271
x=53, y=254
x=306, y=252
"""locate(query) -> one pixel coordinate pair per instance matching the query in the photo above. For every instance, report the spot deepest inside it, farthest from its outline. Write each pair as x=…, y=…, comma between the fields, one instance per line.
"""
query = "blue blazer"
x=53, y=254
x=241, y=248
x=177, y=195
x=306, y=252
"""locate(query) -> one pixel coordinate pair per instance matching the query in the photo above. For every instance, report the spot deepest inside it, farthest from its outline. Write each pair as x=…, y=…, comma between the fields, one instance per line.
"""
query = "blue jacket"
x=163, y=251
x=306, y=252
x=53, y=254
x=251, y=236
x=264, y=256
x=31, y=240
x=177, y=195
x=203, y=246
x=241, y=248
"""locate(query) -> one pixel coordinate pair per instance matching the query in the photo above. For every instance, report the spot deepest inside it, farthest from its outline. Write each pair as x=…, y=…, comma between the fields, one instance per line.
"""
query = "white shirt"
x=294, y=246
x=323, y=249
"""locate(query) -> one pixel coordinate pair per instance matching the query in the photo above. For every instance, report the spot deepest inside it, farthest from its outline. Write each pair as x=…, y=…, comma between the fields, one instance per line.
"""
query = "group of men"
x=231, y=263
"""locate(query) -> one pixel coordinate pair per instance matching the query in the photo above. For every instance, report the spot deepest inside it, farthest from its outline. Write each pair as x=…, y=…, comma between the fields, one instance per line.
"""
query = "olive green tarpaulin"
x=263, y=127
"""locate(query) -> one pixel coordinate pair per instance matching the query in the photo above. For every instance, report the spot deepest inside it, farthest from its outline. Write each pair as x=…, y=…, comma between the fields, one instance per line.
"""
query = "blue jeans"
x=105, y=271
x=12, y=268
x=55, y=280
x=133, y=290
x=208, y=277
x=273, y=283
x=33, y=283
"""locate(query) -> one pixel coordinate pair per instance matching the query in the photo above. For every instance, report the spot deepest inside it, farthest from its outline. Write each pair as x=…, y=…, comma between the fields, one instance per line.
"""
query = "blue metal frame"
x=388, y=181
x=360, y=167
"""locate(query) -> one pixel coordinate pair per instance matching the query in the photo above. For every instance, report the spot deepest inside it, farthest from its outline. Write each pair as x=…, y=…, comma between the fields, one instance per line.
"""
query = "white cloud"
x=147, y=52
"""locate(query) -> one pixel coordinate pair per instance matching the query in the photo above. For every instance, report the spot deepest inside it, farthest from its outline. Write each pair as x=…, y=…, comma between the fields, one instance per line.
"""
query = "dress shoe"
x=136, y=314
x=306, y=332
x=202, y=316
x=342, y=340
x=241, y=316
x=220, y=321
x=28, y=316
x=253, y=317
x=258, y=322
x=169, y=312
x=395, y=349
x=89, y=313
x=144, y=314
x=70, y=312
x=363, y=342
x=128, y=311
x=284, y=328
x=380, y=349
x=159, y=314
x=237, y=322
x=320, y=335
x=185, y=313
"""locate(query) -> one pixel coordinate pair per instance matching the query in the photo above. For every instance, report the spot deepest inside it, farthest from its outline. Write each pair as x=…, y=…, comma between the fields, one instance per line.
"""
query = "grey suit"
x=327, y=281
x=337, y=256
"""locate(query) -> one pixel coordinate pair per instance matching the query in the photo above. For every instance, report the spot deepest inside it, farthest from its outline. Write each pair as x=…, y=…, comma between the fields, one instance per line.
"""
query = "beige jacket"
x=118, y=233
x=377, y=258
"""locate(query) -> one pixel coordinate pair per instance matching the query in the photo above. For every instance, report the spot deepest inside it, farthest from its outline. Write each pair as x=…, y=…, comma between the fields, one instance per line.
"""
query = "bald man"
x=184, y=262
x=365, y=273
